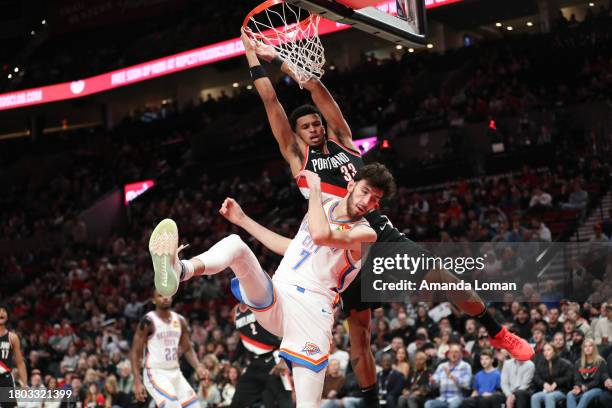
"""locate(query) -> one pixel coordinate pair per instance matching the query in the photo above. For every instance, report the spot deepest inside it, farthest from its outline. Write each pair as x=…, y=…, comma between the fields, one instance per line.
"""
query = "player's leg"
x=471, y=304
x=275, y=394
x=252, y=286
x=186, y=396
x=160, y=388
x=308, y=386
x=362, y=359
x=250, y=385
x=467, y=301
x=7, y=390
x=230, y=252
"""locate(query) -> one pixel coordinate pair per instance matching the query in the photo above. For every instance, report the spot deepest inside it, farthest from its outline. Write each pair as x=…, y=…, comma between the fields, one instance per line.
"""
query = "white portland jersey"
x=319, y=268
x=163, y=344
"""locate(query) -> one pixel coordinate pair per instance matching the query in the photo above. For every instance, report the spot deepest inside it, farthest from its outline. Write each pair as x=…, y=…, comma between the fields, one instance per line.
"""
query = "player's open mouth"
x=360, y=208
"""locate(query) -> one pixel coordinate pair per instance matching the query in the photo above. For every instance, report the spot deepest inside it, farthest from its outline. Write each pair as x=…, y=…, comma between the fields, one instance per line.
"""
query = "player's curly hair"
x=301, y=111
x=378, y=176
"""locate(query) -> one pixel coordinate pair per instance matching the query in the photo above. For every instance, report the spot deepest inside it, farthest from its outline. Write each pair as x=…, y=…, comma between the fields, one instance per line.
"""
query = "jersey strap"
x=346, y=149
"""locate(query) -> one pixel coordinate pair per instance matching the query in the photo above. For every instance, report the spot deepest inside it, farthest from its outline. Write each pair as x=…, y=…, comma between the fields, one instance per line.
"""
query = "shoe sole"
x=163, y=245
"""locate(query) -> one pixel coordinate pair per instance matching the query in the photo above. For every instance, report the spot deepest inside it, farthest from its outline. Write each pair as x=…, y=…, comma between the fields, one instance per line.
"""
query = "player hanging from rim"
x=10, y=356
x=318, y=263
x=164, y=335
x=305, y=144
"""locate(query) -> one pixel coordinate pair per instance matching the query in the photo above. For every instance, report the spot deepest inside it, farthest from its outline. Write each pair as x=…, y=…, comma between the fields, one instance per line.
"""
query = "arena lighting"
x=410, y=49
x=498, y=24
x=591, y=4
x=249, y=87
x=332, y=67
x=365, y=145
x=529, y=24
x=133, y=190
x=16, y=69
x=385, y=144
x=171, y=64
x=398, y=47
x=33, y=32
x=509, y=28
x=430, y=45
x=10, y=76
x=43, y=22
x=235, y=85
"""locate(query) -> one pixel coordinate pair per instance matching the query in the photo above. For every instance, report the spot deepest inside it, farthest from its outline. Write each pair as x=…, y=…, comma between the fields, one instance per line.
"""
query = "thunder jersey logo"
x=311, y=349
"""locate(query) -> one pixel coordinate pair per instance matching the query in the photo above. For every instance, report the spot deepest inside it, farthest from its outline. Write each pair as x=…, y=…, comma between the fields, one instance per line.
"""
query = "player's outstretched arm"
x=189, y=352
x=232, y=211
x=281, y=129
x=19, y=362
x=318, y=225
x=337, y=127
x=138, y=344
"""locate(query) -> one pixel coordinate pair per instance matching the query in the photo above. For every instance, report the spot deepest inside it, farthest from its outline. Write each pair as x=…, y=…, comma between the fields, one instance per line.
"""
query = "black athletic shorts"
x=386, y=232
x=6, y=384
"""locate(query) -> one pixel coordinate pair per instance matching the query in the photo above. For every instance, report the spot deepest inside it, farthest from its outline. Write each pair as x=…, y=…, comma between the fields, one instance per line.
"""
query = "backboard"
x=399, y=21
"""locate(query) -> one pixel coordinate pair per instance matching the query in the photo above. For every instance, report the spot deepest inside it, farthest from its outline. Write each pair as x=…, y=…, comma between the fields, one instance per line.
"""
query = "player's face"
x=362, y=198
x=310, y=129
x=3, y=316
x=161, y=301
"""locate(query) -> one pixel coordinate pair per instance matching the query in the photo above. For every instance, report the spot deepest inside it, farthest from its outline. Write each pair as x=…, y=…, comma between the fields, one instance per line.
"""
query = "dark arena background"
x=114, y=115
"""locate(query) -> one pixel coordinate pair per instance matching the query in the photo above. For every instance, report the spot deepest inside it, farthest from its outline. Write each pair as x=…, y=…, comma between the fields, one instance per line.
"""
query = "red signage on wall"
x=133, y=190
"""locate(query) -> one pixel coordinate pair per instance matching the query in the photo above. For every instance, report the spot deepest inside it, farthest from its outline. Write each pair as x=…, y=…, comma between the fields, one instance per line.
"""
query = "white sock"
x=188, y=270
x=232, y=252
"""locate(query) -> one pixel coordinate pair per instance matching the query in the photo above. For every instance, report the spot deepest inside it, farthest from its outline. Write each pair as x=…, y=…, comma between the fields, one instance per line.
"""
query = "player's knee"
x=235, y=239
x=237, y=244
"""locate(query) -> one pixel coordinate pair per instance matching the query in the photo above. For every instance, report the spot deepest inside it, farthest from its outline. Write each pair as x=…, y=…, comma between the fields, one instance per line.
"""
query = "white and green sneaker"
x=163, y=246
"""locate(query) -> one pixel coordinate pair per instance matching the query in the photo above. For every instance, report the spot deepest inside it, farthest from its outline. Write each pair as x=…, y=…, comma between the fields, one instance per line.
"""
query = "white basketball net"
x=297, y=43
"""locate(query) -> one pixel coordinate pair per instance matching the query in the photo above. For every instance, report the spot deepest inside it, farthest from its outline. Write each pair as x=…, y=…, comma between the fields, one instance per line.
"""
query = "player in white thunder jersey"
x=318, y=262
x=162, y=336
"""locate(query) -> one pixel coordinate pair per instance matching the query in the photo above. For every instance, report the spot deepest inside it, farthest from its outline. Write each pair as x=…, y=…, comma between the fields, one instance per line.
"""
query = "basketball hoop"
x=293, y=33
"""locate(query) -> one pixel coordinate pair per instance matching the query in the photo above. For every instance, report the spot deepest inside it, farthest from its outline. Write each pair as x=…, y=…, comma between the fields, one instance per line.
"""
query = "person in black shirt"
x=554, y=325
x=10, y=356
x=605, y=399
x=522, y=323
x=261, y=380
x=561, y=349
x=590, y=374
x=553, y=378
x=390, y=382
x=416, y=388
